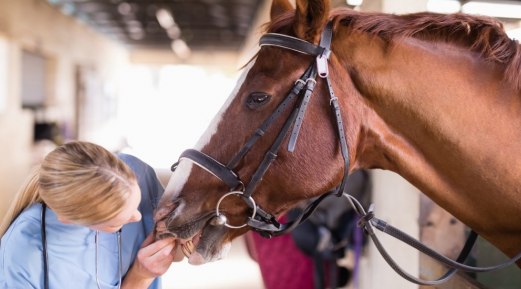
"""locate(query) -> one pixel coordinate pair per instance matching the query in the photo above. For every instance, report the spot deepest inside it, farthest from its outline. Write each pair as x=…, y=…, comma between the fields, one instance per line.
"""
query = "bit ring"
x=246, y=199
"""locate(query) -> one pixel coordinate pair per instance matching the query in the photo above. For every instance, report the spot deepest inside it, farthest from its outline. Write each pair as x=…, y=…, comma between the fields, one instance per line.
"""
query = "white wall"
x=397, y=203
x=3, y=74
x=15, y=124
x=36, y=26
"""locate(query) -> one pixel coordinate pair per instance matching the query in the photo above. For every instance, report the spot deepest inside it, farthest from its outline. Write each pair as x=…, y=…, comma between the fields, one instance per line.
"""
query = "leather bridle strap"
x=369, y=222
x=213, y=166
x=44, y=247
x=291, y=43
x=323, y=72
x=295, y=91
x=310, y=86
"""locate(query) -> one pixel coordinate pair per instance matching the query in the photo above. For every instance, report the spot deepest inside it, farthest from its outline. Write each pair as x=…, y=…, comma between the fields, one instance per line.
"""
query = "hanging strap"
x=368, y=221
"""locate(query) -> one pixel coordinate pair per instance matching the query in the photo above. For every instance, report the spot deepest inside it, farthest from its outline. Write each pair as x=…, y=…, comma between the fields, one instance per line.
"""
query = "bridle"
x=265, y=223
x=260, y=220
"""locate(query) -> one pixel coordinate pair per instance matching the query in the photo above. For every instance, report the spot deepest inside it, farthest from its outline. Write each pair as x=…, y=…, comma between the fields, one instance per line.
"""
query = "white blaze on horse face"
x=178, y=180
x=212, y=128
x=180, y=177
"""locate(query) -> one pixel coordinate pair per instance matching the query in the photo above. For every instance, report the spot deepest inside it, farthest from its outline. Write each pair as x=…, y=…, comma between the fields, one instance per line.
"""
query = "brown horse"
x=434, y=98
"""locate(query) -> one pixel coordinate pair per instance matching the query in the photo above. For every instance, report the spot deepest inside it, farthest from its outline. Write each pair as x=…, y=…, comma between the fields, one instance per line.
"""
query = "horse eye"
x=257, y=99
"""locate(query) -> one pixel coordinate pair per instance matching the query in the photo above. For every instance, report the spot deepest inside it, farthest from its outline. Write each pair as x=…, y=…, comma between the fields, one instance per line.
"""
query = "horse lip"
x=208, y=244
x=188, y=230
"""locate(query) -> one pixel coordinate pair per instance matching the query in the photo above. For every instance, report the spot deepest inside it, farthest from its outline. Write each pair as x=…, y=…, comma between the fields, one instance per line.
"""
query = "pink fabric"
x=281, y=263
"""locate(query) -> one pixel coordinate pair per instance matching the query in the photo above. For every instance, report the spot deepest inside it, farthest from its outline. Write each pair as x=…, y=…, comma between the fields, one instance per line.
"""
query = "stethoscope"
x=45, y=258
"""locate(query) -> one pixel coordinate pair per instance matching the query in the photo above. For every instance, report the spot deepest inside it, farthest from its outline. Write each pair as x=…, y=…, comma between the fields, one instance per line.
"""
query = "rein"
x=265, y=223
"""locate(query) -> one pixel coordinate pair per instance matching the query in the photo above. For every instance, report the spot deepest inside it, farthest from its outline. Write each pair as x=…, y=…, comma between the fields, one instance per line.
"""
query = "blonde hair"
x=80, y=181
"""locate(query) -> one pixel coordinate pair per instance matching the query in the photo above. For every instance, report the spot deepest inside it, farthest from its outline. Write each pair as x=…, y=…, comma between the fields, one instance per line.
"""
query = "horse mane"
x=483, y=35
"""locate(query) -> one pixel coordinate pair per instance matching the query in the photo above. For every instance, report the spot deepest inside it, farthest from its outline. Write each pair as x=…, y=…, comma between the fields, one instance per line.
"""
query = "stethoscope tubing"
x=44, y=249
x=46, y=261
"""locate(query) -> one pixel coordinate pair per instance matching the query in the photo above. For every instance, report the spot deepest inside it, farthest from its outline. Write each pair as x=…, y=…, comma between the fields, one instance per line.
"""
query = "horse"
x=434, y=98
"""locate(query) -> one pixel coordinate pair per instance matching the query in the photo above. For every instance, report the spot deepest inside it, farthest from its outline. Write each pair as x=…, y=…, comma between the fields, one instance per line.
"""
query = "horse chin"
x=203, y=257
x=197, y=259
x=210, y=245
x=184, y=231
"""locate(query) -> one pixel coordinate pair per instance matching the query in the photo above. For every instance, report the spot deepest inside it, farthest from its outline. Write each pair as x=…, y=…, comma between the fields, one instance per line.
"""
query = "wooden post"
x=396, y=202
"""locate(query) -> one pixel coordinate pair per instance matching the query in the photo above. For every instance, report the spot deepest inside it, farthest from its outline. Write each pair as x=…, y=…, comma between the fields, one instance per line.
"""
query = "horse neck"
x=444, y=120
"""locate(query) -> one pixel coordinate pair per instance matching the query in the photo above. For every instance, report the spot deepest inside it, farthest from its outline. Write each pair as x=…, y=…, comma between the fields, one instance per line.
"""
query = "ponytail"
x=26, y=196
x=80, y=181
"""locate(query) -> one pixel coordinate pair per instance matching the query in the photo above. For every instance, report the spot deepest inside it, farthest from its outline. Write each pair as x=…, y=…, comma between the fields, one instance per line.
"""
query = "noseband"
x=264, y=222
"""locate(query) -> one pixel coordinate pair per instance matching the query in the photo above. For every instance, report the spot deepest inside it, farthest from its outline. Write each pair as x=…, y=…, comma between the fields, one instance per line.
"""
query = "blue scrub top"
x=71, y=248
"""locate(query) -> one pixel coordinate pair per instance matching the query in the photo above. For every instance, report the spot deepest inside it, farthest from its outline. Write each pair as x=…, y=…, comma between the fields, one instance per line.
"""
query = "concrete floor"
x=236, y=271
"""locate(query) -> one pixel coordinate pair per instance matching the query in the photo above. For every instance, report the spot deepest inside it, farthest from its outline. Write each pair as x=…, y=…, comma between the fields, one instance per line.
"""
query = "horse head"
x=195, y=195
x=408, y=86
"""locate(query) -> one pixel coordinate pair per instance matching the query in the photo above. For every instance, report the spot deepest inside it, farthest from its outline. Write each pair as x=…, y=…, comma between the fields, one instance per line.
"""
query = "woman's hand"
x=152, y=260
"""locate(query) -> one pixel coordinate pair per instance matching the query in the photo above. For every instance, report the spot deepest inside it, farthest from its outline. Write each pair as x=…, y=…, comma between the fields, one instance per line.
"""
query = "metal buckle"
x=322, y=64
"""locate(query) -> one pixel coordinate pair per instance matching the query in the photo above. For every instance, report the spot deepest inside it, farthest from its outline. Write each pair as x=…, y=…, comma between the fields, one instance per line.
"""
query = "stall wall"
x=15, y=124
x=68, y=45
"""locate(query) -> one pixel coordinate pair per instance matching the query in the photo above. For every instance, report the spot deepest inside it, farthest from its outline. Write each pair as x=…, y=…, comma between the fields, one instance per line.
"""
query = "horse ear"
x=310, y=17
x=279, y=7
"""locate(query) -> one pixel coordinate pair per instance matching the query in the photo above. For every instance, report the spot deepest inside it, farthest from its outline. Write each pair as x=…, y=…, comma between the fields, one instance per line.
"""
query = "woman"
x=82, y=221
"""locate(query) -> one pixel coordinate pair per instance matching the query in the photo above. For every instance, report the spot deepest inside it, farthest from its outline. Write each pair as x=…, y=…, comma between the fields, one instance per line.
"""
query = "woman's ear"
x=63, y=220
x=310, y=18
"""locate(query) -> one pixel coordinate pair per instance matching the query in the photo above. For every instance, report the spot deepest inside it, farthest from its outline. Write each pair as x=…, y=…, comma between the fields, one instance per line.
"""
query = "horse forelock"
x=483, y=35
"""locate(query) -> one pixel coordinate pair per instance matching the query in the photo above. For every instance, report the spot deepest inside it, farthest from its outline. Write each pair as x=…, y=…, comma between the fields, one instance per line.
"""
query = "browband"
x=292, y=43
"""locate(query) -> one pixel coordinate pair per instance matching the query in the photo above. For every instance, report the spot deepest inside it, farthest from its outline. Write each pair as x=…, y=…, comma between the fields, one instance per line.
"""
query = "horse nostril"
x=161, y=226
x=166, y=209
x=161, y=213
